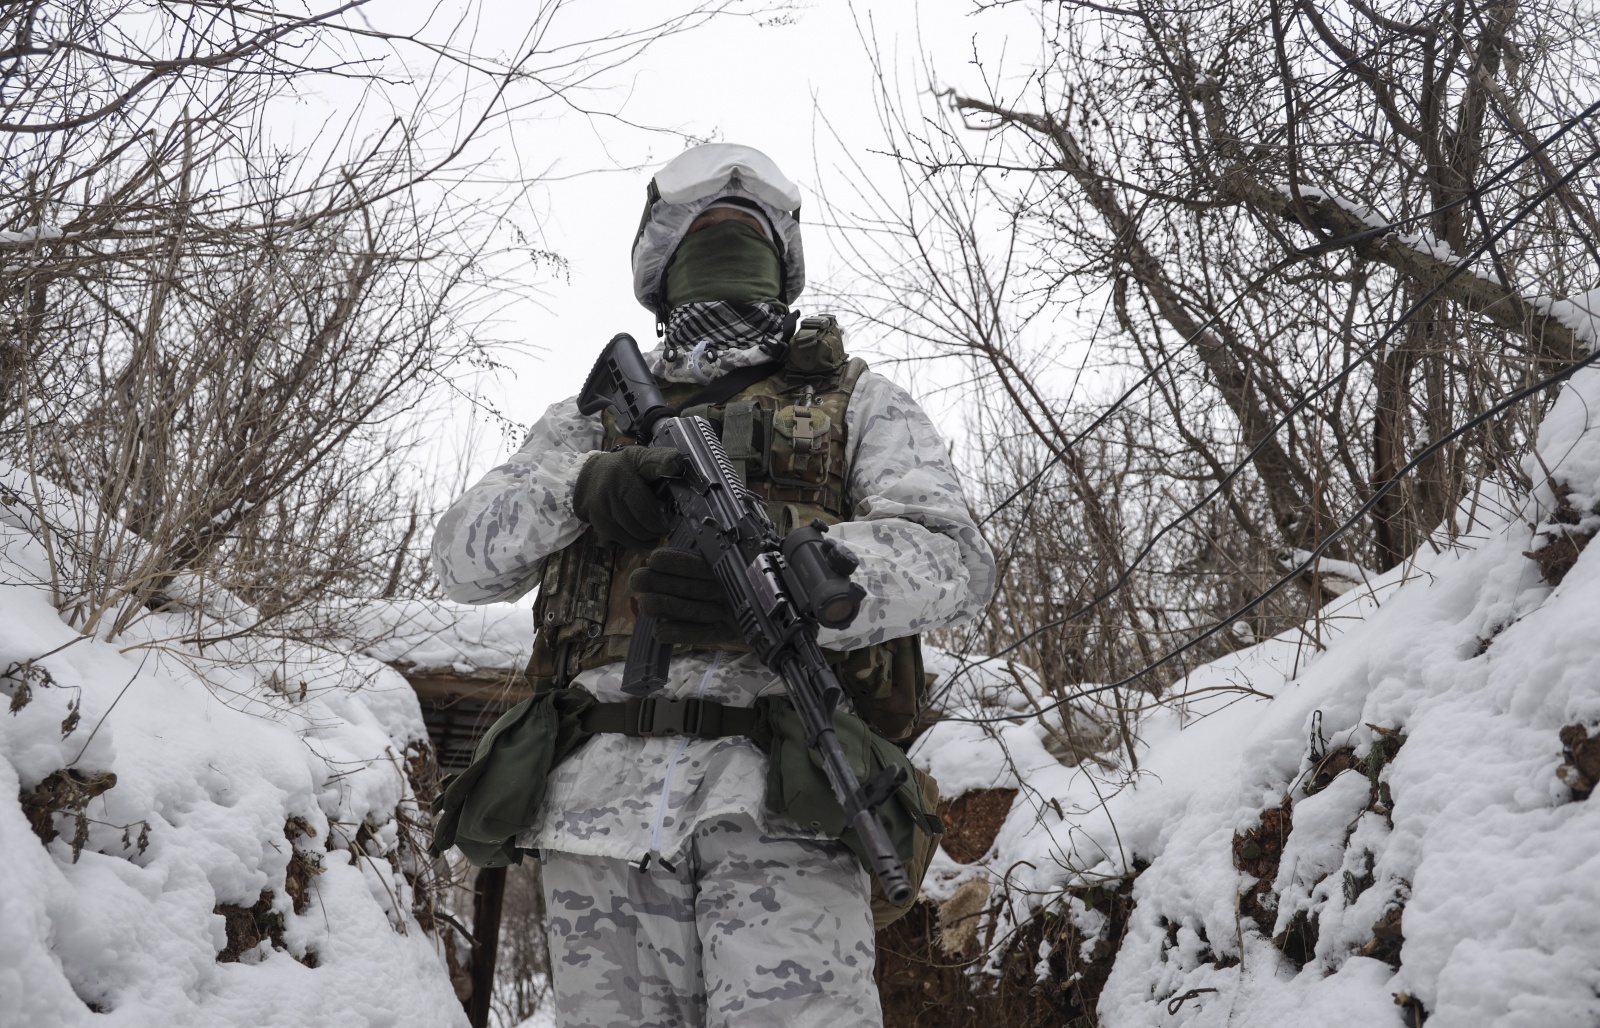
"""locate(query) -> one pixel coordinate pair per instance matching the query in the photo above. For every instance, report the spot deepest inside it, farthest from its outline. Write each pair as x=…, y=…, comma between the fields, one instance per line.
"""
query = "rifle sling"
x=658, y=716
x=731, y=384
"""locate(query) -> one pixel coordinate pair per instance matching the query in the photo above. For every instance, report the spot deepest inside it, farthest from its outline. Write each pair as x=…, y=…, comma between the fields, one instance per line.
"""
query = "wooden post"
x=488, y=891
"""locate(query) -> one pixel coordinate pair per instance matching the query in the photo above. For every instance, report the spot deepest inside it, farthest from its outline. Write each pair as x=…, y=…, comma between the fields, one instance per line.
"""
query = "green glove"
x=677, y=588
x=615, y=493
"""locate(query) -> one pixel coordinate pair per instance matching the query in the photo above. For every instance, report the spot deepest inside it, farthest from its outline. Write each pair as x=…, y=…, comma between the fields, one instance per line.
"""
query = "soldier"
x=675, y=897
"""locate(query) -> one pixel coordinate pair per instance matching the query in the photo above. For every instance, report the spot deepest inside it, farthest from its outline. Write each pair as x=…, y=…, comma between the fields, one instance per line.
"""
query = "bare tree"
x=1212, y=280
x=219, y=331
x=224, y=327
x=1288, y=247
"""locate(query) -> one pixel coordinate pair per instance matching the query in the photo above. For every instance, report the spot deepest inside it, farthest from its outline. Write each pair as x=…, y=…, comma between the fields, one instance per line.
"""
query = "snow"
x=214, y=755
x=1580, y=312
x=1336, y=576
x=1469, y=654
x=31, y=235
x=1424, y=241
x=438, y=634
x=1465, y=651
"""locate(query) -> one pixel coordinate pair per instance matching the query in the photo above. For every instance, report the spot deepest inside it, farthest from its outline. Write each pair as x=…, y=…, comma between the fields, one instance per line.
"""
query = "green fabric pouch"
x=483, y=810
x=797, y=788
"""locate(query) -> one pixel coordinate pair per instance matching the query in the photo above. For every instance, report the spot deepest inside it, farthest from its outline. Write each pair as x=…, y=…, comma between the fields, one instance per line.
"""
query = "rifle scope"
x=822, y=569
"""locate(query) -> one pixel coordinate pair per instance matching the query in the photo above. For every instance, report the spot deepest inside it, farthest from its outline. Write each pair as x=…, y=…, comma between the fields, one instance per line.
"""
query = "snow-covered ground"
x=250, y=774
x=439, y=635
x=1406, y=750
x=1462, y=668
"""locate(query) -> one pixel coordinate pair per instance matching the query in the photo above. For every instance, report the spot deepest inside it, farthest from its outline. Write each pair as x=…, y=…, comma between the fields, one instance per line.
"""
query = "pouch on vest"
x=817, y=347
x=570, y=612
x=483, y=810
x=798, y=788
x=886, y=684
x=800, y=450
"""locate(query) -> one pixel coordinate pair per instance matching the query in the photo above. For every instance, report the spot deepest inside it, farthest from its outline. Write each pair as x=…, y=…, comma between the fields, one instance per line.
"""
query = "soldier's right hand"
x=615, y=493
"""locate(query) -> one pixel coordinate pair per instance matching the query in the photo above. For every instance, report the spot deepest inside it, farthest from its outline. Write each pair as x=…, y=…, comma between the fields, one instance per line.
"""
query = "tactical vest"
x=786, y=438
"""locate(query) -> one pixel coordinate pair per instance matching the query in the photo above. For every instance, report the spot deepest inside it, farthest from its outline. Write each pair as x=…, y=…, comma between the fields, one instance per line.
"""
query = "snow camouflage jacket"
x=923, y=564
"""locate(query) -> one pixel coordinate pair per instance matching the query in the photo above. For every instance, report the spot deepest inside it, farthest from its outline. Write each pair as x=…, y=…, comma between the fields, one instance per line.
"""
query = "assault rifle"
x=780, y=591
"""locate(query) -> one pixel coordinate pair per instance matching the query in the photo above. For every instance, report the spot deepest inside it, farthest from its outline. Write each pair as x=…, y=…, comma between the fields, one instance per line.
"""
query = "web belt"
x=652, y=716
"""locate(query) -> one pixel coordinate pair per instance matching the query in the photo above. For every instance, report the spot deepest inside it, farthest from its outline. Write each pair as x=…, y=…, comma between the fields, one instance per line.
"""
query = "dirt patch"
x=1582, y=768
x=431, y=881
x=248, y=926
x=1298, y=940
x=67, y=791
x=1386, y=744
x=972, y=820
x=1387, y=937
x=303, y=865
x=1044, y=979
x=1256, y=852
x=1564, y=540
x=422, y=771
x=1333, y=764
x=918, y=985
x=1412, y=1013
x=1558, y=556
x=1356, y=884
x=1069, y=990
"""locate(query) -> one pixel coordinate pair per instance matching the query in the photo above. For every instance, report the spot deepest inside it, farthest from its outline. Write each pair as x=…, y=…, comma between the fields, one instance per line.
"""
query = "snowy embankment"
x=214, y=835
x=438, y=635
x=1375, y=826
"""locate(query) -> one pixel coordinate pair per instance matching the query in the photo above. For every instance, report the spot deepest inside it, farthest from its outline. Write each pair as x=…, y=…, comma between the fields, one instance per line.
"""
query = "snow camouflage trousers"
x=746, y=930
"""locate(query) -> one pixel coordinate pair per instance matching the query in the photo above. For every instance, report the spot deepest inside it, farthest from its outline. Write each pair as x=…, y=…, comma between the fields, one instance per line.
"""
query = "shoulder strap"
x=731, y=384
x=661, y=715
x=853, y=370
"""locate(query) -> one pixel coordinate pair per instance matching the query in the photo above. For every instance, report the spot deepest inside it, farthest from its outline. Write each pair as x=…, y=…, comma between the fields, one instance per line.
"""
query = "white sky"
x=737, y=80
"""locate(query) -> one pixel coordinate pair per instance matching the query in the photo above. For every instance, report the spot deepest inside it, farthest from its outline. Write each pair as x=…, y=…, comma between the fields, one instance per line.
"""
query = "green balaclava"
x=726, y=261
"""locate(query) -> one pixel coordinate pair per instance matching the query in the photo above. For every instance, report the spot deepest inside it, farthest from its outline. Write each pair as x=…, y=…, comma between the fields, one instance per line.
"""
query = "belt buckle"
x=644, y=711
x=659, y=716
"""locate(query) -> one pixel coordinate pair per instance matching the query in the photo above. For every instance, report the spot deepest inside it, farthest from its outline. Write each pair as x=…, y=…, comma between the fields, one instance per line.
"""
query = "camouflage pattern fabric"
x=623, y=797
x=923, y=565
x=759, y=909
x=745, y=929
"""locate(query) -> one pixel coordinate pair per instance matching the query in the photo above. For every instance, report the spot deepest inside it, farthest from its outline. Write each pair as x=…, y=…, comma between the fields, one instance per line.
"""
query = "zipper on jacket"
x=672, y=766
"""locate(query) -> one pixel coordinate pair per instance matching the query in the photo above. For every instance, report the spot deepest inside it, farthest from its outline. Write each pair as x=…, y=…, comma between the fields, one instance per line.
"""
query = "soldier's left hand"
x=678, y=589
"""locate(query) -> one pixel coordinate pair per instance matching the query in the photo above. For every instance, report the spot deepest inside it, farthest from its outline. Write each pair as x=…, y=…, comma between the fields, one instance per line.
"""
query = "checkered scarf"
x=704, y=340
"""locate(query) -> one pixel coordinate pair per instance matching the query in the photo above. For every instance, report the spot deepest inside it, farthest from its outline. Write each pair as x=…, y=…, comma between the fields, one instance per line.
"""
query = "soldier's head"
x=720, y=226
